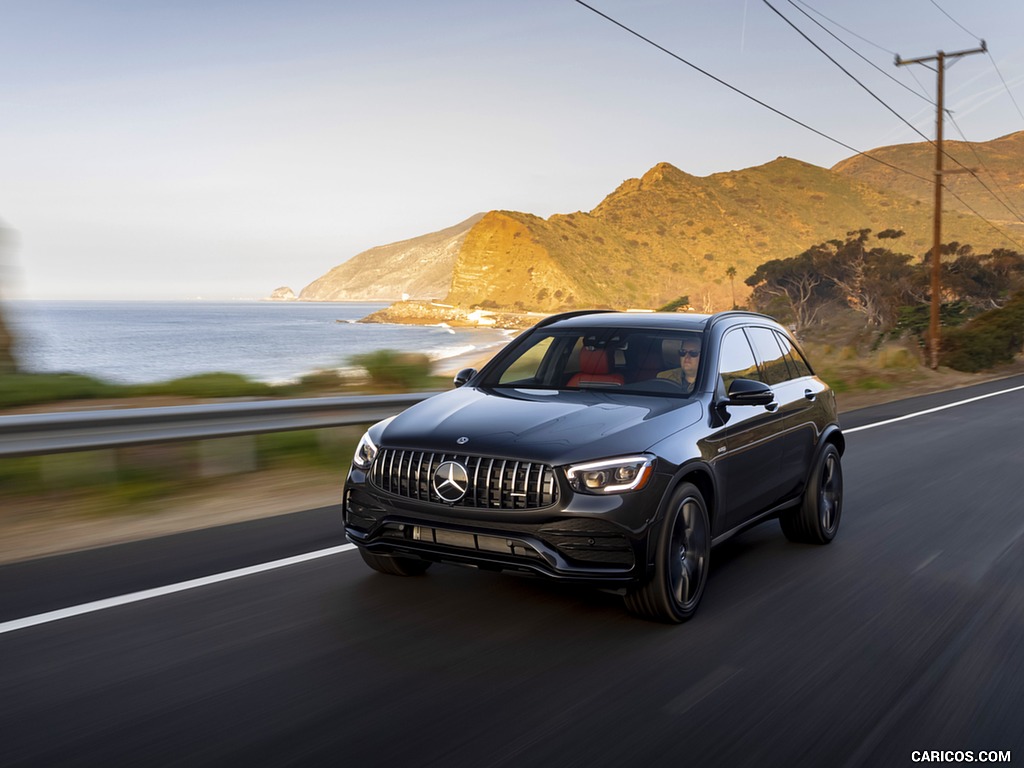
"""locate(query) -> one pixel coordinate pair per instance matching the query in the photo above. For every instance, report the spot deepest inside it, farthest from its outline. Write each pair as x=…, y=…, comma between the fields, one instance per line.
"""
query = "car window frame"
x=762, y=364
x=720, y=377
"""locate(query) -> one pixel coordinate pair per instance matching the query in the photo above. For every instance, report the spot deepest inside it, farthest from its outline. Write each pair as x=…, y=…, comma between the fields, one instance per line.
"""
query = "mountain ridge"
x=668, y=234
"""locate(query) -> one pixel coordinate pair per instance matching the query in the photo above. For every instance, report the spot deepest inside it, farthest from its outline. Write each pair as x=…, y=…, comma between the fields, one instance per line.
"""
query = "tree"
x=982, y=281
x=798, y=282
x=731, y=274
x=871, y=280
x=875, y=282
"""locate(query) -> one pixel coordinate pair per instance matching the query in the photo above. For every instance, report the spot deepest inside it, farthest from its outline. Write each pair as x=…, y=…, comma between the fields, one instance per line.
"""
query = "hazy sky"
x=222, y=148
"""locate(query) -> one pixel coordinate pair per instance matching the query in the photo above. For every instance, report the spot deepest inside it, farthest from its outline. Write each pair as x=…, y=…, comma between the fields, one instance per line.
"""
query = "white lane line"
x=170, y=589
x=931, y=410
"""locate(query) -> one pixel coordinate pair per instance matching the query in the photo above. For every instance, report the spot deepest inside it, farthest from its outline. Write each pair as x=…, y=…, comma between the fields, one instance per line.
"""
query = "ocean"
x=141, y=342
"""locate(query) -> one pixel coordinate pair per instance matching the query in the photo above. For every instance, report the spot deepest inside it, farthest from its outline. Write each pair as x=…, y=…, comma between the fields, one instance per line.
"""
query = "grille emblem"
x=450, y=481
x=462, y=440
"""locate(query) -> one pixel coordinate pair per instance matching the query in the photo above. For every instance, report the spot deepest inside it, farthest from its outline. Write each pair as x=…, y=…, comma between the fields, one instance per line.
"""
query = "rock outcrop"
x=284, y=293
x=431, y=313
x=419, y=268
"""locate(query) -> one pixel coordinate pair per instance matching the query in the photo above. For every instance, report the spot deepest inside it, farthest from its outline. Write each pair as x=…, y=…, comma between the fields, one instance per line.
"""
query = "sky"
x=223, y=148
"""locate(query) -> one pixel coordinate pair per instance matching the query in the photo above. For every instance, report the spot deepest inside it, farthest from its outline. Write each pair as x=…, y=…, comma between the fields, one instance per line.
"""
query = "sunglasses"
x=689, y=353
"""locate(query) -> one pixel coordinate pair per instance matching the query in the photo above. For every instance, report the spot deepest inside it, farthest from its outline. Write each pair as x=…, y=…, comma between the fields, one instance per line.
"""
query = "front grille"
x=493, y=483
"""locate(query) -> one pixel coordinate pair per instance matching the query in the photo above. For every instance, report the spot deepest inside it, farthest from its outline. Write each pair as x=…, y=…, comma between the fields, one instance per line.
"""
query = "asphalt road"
x=905, y=634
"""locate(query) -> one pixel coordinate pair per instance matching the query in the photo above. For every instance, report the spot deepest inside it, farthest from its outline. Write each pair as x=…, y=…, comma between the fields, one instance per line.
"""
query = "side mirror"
x=750, y=392
x=464, y=375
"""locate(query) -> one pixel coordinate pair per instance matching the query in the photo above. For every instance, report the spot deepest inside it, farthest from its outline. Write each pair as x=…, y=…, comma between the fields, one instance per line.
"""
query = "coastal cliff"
x=418, y=268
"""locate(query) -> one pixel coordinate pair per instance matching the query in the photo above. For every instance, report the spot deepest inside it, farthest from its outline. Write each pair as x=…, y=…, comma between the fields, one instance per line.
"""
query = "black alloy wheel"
x=681, y=569
x=816, y=520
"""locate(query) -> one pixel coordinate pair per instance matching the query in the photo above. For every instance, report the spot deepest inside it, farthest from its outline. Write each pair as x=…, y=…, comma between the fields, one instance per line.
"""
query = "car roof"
x=662, y=321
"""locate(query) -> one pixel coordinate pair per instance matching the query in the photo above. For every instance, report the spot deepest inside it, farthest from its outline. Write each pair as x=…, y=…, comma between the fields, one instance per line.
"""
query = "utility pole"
x=940, y=69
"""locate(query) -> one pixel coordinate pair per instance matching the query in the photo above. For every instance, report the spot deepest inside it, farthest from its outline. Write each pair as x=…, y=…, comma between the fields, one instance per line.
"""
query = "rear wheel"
x=681, y=567
x=394, y=566
x=816, y=520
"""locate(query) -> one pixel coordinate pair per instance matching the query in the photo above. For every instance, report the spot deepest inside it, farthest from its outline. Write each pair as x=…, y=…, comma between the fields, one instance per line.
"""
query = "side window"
x=796, y=360
x=773, y=362
x=736, y=361
x=527, y=367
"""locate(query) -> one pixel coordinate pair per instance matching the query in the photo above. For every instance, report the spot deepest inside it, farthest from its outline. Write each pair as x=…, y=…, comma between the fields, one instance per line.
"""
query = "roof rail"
x=566, y=315
x=738, y=313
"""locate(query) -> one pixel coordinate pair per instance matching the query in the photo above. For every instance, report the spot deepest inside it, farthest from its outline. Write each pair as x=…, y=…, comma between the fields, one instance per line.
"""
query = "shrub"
x=891, y=357
x=389, y=369
x=990, y=339
x=205, y=385
x=672, y=306
x=26, y=388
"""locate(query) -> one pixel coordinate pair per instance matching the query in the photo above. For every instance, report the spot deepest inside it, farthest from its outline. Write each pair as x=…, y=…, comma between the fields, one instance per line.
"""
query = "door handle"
x=810, y=394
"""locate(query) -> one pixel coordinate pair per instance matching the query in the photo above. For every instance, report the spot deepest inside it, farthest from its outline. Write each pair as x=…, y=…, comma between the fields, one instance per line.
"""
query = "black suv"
x=609, y=448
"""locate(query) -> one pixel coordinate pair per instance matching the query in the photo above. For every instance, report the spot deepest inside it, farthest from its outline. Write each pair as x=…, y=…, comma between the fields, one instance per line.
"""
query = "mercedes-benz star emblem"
x=450, y=481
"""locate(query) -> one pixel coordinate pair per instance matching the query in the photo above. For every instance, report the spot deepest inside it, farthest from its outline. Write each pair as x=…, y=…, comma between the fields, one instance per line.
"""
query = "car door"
x=797, y=433
x=750, y=461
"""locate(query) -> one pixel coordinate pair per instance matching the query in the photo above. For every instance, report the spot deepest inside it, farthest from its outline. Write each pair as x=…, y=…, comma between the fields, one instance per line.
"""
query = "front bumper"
x=599, y=540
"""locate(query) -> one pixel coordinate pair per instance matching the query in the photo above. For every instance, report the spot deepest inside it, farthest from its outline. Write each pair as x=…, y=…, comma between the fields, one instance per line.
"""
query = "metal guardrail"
x=36, y=434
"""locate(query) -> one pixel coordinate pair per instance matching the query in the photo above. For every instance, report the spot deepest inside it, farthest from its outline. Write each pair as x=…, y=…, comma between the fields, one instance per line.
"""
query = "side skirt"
x=757, y=520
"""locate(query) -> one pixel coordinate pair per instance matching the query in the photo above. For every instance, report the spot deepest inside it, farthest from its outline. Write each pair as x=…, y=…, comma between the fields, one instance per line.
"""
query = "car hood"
x=536, y=425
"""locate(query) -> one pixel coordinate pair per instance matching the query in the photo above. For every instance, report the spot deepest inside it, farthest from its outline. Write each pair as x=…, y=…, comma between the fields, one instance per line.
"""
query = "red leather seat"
x=594, y=367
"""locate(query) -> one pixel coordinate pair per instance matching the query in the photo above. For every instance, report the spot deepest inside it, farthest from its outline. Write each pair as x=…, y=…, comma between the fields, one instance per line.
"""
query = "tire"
x=816, y=520
x=683, y=554
x=394, y=566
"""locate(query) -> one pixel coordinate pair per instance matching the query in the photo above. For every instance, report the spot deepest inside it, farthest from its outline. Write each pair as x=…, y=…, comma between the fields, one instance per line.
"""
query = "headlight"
x=365, y=453
x=627, y=473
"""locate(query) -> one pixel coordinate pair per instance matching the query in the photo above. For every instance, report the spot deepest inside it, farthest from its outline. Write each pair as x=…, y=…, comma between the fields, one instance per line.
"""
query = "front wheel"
x=683, y=552
x=816, y=520
x=394, y=566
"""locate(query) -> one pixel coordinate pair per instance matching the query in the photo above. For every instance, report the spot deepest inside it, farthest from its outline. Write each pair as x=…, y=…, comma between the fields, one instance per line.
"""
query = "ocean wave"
x=443, y=353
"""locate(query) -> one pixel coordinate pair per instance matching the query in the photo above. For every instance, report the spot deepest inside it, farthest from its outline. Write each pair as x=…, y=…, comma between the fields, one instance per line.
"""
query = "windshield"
x=643, y=361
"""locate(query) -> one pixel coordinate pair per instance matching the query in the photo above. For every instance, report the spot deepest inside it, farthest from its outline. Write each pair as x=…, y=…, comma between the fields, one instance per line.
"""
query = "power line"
x=1005, y=85
x=976, y=213
x=884, y=104
x=858, y=53
x=779, y=112
x=970, y=145
x=965, y=29
x=847, y=72
x=757, y=101
x=850, y=31
x=991, y=58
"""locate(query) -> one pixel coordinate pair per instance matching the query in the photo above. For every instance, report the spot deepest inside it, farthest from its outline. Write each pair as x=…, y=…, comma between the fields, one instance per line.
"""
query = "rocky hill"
x=998, y=163
x=420, y=268
x=669, y=234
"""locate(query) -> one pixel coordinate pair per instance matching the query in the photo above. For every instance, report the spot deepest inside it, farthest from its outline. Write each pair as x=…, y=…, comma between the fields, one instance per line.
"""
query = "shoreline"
x=434, y=313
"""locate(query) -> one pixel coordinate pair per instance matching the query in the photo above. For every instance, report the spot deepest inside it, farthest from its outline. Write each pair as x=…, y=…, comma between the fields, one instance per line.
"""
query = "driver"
x=689, y=357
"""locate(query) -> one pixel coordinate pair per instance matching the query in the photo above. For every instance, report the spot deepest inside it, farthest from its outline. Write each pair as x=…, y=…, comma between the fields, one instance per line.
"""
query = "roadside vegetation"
x=863, y=296
x=385, y=371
